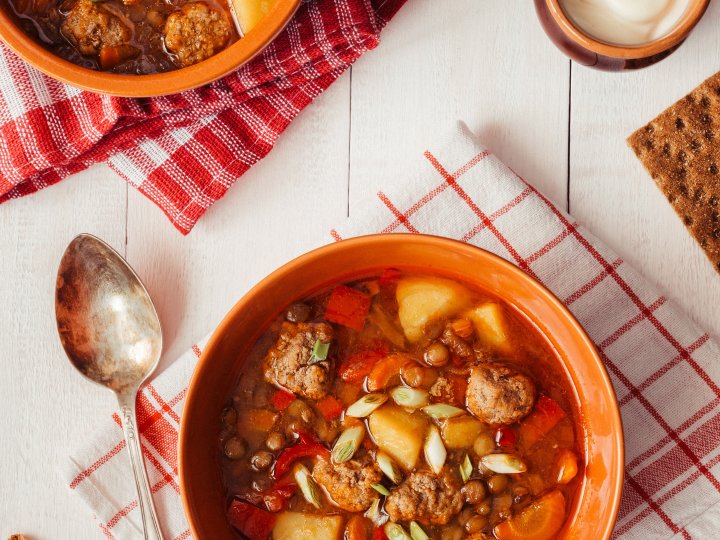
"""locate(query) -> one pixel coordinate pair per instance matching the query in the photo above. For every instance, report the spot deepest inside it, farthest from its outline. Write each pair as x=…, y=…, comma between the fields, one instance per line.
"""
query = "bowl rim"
x=156, y=84
x=693, y=14
x=604, y=384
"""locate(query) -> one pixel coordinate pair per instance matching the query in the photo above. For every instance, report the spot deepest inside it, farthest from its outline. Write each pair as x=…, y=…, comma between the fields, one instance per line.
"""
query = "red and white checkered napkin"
x=183, y=151
x=665, y=370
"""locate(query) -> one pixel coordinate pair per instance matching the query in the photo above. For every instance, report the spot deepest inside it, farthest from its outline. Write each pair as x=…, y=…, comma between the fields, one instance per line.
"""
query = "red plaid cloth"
x=182, y=151
x=665, y=370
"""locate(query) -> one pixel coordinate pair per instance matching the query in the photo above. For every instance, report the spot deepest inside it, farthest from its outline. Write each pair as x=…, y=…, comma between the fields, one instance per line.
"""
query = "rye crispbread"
x=681, y=151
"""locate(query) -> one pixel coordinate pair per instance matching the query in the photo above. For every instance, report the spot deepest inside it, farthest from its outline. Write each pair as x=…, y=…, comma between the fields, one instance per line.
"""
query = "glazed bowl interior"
x=595, y=505
x=681, y=29
x=158, y=84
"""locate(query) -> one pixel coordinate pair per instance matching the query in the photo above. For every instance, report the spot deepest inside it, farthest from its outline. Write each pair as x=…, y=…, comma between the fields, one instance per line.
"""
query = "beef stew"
x=136, y=36
x=400, y=406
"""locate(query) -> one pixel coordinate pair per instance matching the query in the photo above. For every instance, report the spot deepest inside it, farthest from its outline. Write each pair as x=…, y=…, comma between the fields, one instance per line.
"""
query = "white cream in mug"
x=625, y=22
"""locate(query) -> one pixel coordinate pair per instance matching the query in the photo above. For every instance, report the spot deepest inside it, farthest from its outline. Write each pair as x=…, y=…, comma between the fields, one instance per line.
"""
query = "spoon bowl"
x=111, y=333
x=107, y=323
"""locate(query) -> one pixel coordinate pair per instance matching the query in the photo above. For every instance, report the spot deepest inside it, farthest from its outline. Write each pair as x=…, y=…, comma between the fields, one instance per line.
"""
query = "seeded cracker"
x=681, y=151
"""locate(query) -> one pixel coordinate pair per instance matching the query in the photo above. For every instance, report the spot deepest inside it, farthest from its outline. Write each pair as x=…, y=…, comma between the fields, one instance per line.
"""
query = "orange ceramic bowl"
x=148, y=85
x=595, y=505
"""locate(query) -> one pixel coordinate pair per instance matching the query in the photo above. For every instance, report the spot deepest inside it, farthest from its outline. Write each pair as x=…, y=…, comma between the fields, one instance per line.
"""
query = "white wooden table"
x=487, y=62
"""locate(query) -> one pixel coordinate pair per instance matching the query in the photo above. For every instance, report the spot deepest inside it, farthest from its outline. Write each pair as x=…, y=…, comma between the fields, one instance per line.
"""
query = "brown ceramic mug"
x=590, y=51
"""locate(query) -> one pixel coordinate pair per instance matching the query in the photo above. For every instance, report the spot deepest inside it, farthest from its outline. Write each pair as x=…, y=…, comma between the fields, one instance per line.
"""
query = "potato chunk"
x=398, y=433
x=461, y=431
x=490, y=324
x=297, y=526
x=424, y=300
x=250, y=12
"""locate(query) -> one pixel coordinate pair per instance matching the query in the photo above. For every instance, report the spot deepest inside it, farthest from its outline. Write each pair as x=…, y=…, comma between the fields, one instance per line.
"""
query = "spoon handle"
x=151, y=526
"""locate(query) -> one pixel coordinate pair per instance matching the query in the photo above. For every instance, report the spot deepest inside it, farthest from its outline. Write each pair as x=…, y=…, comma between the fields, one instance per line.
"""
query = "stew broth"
x=468, y=432
x=130, y=36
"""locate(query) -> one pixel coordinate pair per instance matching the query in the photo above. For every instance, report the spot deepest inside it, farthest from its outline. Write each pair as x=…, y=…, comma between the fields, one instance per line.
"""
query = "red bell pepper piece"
x=379, y=534
x=274, y=498
x=299, y=451
x=348, y=307
x=277, y=496
x=282, y=399
x=505, y=437
x=306, y=437
x=542, y=419
x=330, y=407
x=389, y=275
x=251, y=521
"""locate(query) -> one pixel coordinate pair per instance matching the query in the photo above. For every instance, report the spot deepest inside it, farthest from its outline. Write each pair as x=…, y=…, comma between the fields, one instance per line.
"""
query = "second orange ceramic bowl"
x=158, y=84
x=595, y=506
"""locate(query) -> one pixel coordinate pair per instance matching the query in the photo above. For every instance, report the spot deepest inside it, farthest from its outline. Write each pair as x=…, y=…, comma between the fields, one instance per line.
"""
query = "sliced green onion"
x=320, y=352
x=365, y=405
x=466, y=468
x=348, y=443
x=435, y=453
x=374, y=514
x=412, y=398
x=442, y=410
x=504, y=463
x=417, y=533
x=388, y=466
x=396, y=532
x=307, y=485
x=382, y=490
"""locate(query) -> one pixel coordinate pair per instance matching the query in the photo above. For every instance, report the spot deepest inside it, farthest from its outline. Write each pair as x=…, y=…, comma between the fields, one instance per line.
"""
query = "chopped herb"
x=366, y=405
x=320, y=352
x=377, y=516
x=466, y=468
x=395, y=531
x=417, y=533
x=348, y=443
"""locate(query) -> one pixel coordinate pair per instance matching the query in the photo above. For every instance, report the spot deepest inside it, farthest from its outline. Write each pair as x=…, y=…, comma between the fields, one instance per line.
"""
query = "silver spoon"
x=111, y=333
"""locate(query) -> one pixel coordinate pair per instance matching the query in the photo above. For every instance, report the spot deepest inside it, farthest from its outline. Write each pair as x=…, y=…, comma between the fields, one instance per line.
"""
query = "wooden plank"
x=47, y=405
x=611, y=193
x=487, y=64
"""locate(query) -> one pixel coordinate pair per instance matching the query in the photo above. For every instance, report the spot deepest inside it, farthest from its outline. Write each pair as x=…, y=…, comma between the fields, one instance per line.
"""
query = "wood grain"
x=610, y=191
x=482, y=62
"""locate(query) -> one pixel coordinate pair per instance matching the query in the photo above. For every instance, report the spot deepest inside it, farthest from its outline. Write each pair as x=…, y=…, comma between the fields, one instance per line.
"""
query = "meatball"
x=349, y=484
x=426, y=498
x=497, y=394
x=90, y=28
x=196, y=32
x=288, y=362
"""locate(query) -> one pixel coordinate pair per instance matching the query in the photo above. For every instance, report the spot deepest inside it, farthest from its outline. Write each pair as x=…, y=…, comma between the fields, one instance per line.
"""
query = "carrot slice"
x=385, y=370
x=566, y=466
x=539, y=521
x=348, y=307
x=330, y=407
x=112, y=56
x=545, y=416
x=358, y=366
x=356, y=528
